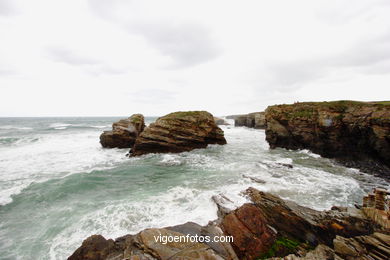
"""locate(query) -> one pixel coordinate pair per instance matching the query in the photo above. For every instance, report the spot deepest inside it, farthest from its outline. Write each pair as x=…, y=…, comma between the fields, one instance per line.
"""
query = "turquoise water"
x=58, y=186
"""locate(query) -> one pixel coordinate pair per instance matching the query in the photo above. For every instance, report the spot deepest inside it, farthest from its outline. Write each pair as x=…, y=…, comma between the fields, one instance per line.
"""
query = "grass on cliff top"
x=308, y=109
x=181, y=114
x=338, y=103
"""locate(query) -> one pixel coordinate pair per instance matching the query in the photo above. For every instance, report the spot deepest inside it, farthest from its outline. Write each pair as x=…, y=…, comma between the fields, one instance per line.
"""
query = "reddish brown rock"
x=123, y=133
x=305, y=224
x=267, y=227
x=252, y=236
x=179, y=132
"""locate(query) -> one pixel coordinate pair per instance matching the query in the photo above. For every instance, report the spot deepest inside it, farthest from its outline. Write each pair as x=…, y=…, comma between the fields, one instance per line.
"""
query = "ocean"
x=58, y=185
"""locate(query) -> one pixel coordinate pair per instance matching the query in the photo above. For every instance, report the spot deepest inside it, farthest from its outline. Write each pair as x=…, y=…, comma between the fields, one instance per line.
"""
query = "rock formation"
x=355, y=133
x=266, y=228
x=252, y=120
x=124, y=132
x=220, y=121
x=179, y=132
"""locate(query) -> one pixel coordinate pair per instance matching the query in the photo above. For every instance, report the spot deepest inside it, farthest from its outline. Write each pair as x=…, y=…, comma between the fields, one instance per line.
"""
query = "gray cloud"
x=186, y=44
x=6, y=8
x=152, y=96
x=367, y=56
x=68, y=56
x=9, y=73
x=343, y=12
x=90, y=65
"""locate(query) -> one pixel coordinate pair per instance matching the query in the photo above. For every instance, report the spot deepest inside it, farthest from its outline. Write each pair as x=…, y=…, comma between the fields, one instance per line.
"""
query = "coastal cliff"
x=267, y=227
x=179, y=132
x=357, y=134
x=251, y=120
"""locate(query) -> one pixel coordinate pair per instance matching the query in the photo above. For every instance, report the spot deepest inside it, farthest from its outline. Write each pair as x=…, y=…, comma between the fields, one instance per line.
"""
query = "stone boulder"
x=123, y=133
x=179, y=132
x=357, y=134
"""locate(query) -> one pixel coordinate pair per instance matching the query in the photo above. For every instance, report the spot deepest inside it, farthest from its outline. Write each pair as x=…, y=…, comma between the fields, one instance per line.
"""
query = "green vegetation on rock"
x=281, y=244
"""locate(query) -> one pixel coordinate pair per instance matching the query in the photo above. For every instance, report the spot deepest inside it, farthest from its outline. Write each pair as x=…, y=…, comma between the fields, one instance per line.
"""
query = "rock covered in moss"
x=179, y=132
x=355, y=133
x=123, y=133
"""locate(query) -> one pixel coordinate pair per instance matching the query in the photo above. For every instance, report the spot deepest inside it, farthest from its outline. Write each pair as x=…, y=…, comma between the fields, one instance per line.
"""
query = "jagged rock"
x=321, y=252
x=96, y=247
x=252, y=120
x=357, y=134
x=144, y=246
x=123, y=133
x=252, y=236
x=179, y=132
x=267, y=227
x=220, y=121
x=305, y=224
x=375, y=246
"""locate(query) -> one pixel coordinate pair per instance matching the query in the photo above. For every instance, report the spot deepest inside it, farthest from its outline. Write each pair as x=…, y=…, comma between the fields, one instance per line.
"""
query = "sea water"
x=58, y=185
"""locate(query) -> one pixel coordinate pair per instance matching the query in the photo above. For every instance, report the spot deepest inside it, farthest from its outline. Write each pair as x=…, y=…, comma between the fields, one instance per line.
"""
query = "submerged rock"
x=123, y=133
x=179, y=132
x=357, y=134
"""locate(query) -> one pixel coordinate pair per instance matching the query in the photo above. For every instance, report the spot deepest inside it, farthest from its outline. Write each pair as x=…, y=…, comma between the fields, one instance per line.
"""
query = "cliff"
x=357, y=134
x=179, y=132
x=267, y=227
x=252, y=120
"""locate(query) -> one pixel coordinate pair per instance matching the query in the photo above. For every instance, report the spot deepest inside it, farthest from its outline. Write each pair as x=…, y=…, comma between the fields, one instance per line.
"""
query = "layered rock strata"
x=357, y=134
x=266, y=228
x=123, y=133
x=179, y=132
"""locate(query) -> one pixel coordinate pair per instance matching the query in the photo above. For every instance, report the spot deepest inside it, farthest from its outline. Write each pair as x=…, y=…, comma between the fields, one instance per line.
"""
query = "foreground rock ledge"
x=124, y=132
x=179, y=132
x=355, y=133
x=266, y=228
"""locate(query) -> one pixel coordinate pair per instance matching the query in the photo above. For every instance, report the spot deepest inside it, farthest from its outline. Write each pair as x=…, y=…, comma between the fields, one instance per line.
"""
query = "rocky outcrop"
x=355, y=133
x=266, y=228
x=123, y=133
x=252, y=120
x=146, y=245
x=179, y=132
x=220, y=121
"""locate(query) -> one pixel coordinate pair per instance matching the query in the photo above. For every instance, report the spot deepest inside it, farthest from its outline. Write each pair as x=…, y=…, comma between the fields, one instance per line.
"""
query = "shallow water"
x=58, y=186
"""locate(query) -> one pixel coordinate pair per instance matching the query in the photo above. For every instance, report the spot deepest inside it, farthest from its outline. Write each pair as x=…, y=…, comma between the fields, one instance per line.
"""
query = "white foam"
x=59, y=125
x=11, y=127
x=177, y=205
x=52, y=156
x=307, y=152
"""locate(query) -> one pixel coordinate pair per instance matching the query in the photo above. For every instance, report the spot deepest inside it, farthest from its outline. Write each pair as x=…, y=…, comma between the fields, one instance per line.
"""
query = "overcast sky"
x=119, y=57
